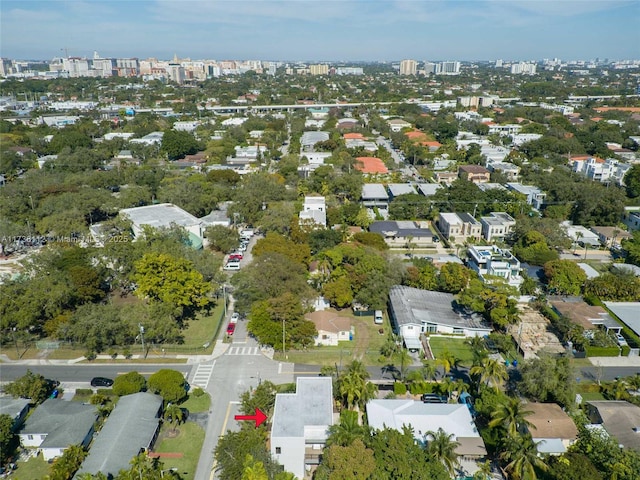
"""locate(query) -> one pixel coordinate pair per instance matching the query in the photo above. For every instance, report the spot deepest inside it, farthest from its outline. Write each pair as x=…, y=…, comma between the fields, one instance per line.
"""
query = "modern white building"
x=492, y=261
x=509, y=129
x=609, y=170
x=300, y=425
x=314, y=212
x=535, y=196
x=163, y=216
x=458, y=227
x=454, y=419
x=497, y=226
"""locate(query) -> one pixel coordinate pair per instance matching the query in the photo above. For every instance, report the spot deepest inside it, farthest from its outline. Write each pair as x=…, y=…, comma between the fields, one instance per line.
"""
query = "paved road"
x=84, y=372
x=241, y=368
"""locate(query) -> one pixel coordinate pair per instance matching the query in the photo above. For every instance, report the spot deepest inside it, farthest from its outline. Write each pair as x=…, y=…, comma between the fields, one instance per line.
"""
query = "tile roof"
x=371, y=165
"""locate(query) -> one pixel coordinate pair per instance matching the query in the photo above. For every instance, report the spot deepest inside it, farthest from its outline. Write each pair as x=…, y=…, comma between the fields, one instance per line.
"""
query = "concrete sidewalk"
x=615, y=361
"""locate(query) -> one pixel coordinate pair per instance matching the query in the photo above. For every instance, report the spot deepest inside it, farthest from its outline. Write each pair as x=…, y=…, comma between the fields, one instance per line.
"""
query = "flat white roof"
x=159, y=216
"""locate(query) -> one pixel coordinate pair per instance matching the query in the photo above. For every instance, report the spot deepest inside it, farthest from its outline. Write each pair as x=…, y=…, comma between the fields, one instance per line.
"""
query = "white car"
x=621, y=340
x=234, y=317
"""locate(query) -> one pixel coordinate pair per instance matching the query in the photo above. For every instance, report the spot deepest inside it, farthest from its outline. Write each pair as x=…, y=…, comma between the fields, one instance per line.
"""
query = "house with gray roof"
x=309, y=139
x=56, y=425
x=16, y=408
x=620, y=419
x=131, y=427
x=374, y=195
x=428, y=189
x=414, y=311
x=397, y=189
x=301, y=422
x=403, y=233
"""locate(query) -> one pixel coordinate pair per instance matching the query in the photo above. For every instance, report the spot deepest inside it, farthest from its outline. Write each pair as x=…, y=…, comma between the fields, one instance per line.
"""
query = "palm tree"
x=429, y=370
x=521, y=453
x=447, y=386
x=441, y=446
x=348, y=430
x=478, y=349
x=174, y=414
x=484, y=472
x=579, y=235
x=448, y=361
x=511, y=415
x=358, y=369
x=490, y=372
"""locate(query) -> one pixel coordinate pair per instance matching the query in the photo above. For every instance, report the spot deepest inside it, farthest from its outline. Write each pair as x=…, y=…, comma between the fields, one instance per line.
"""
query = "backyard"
x=180, y=448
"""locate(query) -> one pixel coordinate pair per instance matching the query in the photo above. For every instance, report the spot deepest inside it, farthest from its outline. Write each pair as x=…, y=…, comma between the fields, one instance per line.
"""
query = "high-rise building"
x=523, y=68
x=408, y=67
x=448, y=68
x=320, y=69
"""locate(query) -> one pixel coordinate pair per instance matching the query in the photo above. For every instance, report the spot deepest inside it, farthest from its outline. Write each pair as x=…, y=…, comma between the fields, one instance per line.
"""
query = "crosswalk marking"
x=203, y=374
x=243, y=351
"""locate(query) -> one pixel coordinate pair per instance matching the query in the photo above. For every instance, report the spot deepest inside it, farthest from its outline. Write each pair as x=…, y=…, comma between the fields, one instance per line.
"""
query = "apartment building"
x=408, y=67
x=535, y=196
x=492, y=261
x=497, y=226
x=459, y=227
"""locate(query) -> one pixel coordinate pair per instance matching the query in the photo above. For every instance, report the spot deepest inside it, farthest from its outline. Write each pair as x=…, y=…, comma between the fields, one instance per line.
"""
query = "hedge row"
x=602, y=351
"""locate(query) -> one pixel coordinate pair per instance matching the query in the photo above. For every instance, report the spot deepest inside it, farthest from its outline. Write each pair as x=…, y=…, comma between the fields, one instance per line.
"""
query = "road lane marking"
x=226, y=417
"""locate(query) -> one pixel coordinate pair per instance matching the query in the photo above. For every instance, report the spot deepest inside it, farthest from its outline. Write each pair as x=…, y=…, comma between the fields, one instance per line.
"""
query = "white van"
x=232, y=266
x=377, y=317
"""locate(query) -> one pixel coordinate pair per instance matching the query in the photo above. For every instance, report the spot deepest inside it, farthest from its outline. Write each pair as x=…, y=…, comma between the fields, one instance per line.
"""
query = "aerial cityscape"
x=277, y=240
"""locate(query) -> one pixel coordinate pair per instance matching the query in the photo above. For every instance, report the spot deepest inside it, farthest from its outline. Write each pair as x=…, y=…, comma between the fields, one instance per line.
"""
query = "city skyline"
x=355, y=30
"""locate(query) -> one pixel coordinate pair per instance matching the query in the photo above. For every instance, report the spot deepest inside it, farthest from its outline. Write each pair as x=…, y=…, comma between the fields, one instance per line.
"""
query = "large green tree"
x=177, y=144
x=169, y=279
x=564, y=277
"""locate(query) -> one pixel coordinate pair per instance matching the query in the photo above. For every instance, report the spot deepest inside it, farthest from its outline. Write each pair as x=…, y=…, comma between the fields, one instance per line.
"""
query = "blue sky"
x=322, y=29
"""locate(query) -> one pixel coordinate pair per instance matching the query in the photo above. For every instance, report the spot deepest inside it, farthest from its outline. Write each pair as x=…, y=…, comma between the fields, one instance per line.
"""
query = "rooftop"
x=627, y=312
x=65, y=423
x=416, y=306
x=454, y=419
x=374, y=191
x=402, y=228
x=620, y=419
x=550, y=421
x=311, y=405
x=396, y=189
x=159, y=216
x=329, y=321
x=371, y=165
x=130, y=427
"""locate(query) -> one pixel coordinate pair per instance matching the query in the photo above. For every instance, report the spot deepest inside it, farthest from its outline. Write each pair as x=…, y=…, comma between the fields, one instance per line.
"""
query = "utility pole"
x=283, y=340
x=142, y=339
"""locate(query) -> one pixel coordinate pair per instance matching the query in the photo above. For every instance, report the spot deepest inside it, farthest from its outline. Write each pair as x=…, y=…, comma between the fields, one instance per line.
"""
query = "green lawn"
x=188, y=442
x=364, y=347
x=197, y=404
x=34, y=469
x=455, y=345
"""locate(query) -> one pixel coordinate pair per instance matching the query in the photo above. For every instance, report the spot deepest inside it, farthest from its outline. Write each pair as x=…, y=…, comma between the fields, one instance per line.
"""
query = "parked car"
x=433, y=398
x=235, y=317
x=621, y=340
x=231, y=328
x=232, y=265
x=235, y=256
x=377, y=317
x=101, y=382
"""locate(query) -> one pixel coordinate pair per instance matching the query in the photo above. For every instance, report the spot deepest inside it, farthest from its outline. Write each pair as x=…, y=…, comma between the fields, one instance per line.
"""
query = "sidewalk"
x=615, y=361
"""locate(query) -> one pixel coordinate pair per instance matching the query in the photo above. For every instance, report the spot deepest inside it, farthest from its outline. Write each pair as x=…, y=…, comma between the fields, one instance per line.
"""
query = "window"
x=30, y=437
x=458, y=331
x=325, y=337
x=278, y=450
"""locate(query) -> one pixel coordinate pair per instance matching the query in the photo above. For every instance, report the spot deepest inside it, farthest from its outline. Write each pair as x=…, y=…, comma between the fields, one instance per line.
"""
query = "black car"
x=101, y=382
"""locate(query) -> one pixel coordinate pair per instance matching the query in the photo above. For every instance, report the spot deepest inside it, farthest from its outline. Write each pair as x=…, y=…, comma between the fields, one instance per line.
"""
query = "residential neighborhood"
x=315, y=270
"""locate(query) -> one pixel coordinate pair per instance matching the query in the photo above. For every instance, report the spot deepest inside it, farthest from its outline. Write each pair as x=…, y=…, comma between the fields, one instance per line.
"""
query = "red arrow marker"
x=259, y=417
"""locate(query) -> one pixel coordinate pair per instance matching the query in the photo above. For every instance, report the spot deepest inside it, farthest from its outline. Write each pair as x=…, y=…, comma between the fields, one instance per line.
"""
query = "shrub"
x=84, y=391
x=197, y=392
x=129, y=383
x=170, y=384
x=418, y=388
x=399, y=388
x=601, y=351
